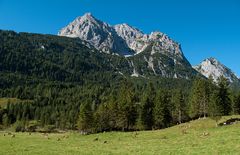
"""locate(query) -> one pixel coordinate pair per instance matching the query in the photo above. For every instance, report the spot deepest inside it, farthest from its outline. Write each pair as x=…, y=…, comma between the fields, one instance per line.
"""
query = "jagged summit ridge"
x=212, y=67
x=154, y=54
x=128, y=33
x=100, y=34
x=122, y=39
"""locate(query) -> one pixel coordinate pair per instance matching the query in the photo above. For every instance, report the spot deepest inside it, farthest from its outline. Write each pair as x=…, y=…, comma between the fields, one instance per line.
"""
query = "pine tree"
x=147, y=106
x=223, y=100
x=127, y=106
x=199, y=98
x=162, y=114
x=214, y=109
x=85, y=118
x=180, y=107
x=102, y=118
x=113, y=112
x=236, y=104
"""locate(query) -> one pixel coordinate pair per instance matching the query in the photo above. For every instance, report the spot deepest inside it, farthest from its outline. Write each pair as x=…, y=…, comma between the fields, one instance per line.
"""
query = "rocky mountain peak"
x=89, y=18
x=122, y=39
x=212, y=61
x=212, y=67
x=88, y=15
x=99, y=34
x=160, y=54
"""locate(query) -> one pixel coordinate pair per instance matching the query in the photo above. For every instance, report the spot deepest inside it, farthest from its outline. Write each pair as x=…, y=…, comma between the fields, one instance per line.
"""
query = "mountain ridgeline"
x=153, y=54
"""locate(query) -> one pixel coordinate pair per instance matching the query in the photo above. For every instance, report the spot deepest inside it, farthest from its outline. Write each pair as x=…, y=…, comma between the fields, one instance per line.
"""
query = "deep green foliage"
x=179, y=107
x=162, y=114
x=147, y=107
x=236, y=104
x=127, y=107
x=200, y=98
x=85, y=120
x=223, y=99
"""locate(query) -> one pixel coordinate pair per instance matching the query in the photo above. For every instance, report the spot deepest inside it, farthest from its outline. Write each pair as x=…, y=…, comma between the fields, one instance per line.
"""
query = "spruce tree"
x=223, y=100
x=102, y=118
x=236, y=104
x=180, y=107
x=199, y=98
x=162, y=114
x=113, y=112
x=85, y=118
x=214, y=109
x=147, y=106
x=127, y=113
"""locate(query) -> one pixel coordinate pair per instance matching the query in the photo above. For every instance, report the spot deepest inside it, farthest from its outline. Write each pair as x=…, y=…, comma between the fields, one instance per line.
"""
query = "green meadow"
x=196, y=137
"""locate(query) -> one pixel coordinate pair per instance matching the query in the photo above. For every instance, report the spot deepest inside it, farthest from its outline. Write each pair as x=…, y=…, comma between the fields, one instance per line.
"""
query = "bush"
x=32, y=126
x=49, y=129
x=19, y=126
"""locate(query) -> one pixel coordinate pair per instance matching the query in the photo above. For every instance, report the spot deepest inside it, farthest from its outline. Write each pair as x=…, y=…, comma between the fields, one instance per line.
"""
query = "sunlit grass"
x=197, y=137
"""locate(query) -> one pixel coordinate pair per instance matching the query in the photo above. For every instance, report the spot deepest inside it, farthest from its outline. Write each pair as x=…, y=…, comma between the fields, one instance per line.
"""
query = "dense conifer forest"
x=58, y=83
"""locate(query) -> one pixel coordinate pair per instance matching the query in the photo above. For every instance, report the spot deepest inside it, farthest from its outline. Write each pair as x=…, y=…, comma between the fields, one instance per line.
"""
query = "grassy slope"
x=186, y=138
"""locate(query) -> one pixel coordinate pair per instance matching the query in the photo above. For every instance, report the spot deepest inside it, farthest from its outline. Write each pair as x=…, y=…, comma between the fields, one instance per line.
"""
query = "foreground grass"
x=197, y=137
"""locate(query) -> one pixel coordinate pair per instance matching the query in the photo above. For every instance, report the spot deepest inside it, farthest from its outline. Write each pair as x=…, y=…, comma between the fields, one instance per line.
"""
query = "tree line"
x=124, y=108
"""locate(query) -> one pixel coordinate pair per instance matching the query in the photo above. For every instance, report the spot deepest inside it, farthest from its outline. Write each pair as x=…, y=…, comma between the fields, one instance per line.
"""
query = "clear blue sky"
x=205, y=28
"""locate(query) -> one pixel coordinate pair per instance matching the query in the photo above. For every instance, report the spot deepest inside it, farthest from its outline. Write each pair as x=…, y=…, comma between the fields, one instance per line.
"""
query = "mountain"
x=212, y=67
x=71, y=59
x=100, y=34
x=29, y=59
x=122, y=39
x=51, y=78
x=153, y=54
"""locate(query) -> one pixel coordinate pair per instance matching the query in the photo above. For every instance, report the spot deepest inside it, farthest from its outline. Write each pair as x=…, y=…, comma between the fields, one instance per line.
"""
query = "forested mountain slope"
x=65, y=83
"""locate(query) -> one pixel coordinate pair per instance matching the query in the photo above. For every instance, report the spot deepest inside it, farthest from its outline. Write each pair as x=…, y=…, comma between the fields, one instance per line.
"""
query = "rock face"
x=153, y=54
x=100, y=34
x=159, y=41
x=129, y=34
x=212, y=67
x=122, y=39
